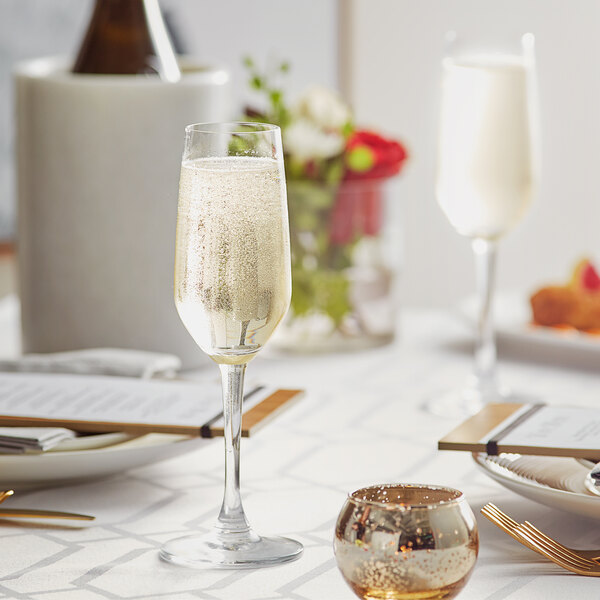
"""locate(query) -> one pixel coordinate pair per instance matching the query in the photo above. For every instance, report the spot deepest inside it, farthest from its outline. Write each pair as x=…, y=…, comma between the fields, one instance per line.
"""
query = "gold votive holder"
x=406, y=541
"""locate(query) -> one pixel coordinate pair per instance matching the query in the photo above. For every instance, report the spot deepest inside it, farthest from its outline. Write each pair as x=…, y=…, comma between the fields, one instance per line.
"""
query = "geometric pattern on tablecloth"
x=360, y=423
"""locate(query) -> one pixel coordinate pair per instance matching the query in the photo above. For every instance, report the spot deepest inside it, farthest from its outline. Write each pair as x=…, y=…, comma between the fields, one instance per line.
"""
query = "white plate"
x=565, y=486
x=512, y=320
x=62, y=467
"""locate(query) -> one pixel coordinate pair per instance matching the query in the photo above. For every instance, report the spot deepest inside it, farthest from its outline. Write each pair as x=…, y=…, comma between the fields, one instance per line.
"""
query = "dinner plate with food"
x=563, y=315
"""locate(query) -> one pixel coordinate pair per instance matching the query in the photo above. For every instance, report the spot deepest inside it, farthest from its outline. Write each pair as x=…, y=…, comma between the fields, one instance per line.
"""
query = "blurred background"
x=384, y=57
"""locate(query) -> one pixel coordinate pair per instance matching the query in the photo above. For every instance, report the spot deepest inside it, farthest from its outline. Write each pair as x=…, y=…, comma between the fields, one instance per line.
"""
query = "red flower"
x=369, y=156
x=358, y=209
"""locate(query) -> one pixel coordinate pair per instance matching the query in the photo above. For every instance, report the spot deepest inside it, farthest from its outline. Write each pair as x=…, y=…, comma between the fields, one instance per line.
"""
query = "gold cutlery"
x=4, y=494
x=502, y=520
x=582, y=562
x=28, y=513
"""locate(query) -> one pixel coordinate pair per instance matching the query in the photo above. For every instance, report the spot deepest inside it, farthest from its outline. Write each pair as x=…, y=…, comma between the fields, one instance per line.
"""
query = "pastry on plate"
x=574, y=305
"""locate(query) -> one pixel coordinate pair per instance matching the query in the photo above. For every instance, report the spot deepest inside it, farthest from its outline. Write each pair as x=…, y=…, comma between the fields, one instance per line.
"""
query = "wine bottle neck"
x=115, y=11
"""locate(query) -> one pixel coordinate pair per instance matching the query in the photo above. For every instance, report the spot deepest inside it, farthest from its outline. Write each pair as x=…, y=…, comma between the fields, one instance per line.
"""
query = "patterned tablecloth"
x=359, y=423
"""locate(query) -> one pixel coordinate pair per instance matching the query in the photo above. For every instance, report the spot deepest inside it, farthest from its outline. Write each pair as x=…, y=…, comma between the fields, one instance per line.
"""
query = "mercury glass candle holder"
x=406, y=541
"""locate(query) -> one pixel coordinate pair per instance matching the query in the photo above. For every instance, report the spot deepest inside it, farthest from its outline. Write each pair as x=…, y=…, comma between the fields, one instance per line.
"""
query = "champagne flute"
x=232, y=288
x=486, y=175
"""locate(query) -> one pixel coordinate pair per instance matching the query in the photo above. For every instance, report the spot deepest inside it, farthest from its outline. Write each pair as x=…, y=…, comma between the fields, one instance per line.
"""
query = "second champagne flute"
x=232, y=288
x=486, y=177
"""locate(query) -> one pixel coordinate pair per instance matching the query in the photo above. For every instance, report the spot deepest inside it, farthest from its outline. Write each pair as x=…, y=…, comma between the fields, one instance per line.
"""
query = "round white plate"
x=18, y=471
x=512, y=321
x=553, y=481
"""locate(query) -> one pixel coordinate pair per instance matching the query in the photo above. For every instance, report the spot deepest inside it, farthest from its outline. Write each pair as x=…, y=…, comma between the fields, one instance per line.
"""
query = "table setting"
x=296, y=475
x=373, y=448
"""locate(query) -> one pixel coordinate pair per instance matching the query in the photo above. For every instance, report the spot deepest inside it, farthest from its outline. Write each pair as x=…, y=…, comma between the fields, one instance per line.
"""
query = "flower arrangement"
x=327, y=158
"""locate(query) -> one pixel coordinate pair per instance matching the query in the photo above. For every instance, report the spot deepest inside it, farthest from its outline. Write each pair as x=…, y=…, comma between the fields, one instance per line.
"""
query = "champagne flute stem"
x=485, y=346
x=231, y=517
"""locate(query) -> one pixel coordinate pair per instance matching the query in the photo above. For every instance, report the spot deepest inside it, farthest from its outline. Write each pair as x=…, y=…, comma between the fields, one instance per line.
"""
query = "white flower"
x=324, y=107
x=304, y=140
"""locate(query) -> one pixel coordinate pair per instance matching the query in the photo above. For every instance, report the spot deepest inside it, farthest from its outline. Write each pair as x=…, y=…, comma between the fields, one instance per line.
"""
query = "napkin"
x=98, y=361
x=18, y=440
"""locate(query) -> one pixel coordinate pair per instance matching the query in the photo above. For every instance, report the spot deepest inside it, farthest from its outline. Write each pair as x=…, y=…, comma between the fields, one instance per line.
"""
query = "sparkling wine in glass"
x=486, y=177
x=232, y=288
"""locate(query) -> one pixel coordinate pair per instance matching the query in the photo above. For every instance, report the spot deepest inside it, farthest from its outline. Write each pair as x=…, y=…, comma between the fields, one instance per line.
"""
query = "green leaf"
x=341, y=257
x=284, y=67
x=322, y=291
x=335, y=172
x=302, y=300
x=360, y=159
x=275, y=96
x=306, y=220
x=309, y=195
x=248, y=62
x=331, y=292
x=348, y=129
x=294, y=169
x=238, y=146
x=257, y=82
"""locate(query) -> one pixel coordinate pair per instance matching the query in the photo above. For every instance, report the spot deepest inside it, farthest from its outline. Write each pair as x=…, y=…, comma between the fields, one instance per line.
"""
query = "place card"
x=529, y=429
x=106, y=404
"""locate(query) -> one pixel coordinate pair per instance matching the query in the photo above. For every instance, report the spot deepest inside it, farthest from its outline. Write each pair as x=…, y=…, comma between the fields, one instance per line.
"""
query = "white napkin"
x=17, y=440
x=98, y=361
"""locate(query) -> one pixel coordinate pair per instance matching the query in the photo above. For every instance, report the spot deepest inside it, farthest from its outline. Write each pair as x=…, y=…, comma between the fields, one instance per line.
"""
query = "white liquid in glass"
x=485, y=173
x=232, y=267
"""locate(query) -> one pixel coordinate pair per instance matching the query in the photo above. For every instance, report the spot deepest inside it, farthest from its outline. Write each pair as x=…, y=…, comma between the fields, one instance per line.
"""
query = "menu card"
x=529, y=429
x=104, y=404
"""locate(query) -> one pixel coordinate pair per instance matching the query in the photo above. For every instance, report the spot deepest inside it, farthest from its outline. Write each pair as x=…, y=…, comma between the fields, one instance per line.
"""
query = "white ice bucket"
x=98, y=165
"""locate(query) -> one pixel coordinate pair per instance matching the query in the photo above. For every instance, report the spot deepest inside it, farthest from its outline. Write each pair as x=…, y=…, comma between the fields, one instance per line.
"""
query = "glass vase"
x=345, y=242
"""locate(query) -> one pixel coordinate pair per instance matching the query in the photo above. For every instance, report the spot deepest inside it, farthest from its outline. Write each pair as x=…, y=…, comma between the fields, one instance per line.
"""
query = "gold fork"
x=502, y=520
x=28, y=513
x=4, y=494
x=582, y=562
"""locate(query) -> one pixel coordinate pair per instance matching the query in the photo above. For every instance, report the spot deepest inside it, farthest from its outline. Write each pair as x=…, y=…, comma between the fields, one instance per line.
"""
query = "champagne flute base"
x=213, y=551
x=466, y=401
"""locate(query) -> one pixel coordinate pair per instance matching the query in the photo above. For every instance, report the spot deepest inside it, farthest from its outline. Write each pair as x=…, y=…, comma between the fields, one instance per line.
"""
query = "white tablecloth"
x=359, y=423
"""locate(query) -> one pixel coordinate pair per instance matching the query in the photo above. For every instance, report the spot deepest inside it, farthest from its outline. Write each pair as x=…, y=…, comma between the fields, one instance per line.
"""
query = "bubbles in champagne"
x=232, y=272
